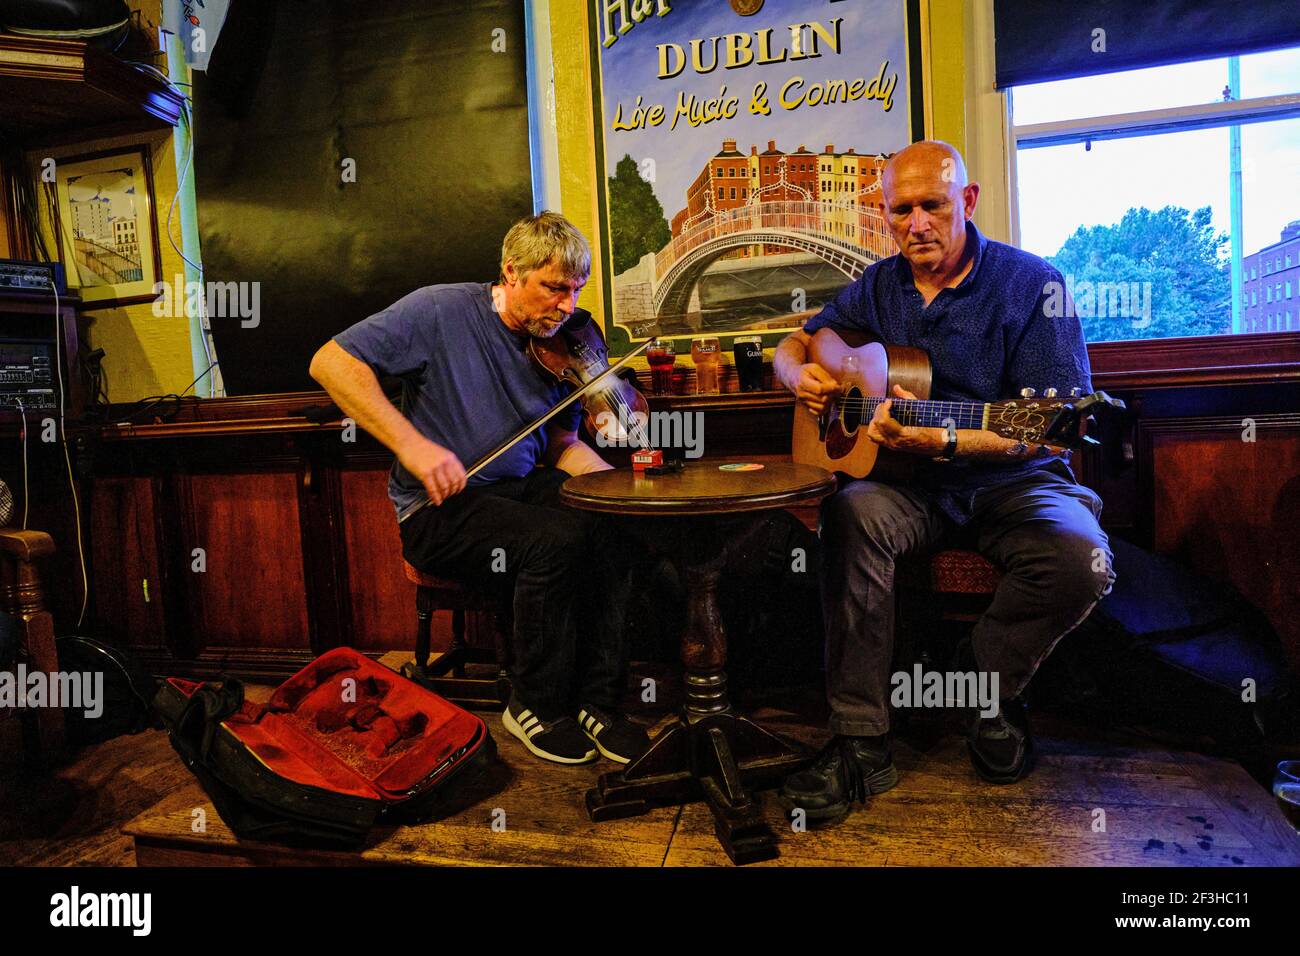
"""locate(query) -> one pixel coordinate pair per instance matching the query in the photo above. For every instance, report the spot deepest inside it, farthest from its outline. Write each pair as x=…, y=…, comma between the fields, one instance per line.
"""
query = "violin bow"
x=532, y=426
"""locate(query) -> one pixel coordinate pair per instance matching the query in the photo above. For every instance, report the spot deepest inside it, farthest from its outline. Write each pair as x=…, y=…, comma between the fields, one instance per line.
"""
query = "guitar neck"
x=924, y=413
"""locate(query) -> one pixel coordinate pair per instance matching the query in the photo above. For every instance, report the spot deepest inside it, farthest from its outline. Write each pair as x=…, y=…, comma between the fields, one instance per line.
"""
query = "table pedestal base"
x=709, y=751
x=721, y=758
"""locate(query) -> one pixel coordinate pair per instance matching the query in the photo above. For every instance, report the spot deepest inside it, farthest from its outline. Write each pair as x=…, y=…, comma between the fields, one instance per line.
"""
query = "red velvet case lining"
x=379, y=740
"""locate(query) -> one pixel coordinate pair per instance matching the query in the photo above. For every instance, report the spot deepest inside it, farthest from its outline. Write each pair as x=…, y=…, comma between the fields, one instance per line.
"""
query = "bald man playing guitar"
x=978, y=309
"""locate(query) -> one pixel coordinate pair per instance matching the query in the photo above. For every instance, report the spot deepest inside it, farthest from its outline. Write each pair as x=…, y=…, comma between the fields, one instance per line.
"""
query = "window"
x=733, y=192
x=1120, y=175
x=1254, y=297
x=720, y=192
x=1288, y=288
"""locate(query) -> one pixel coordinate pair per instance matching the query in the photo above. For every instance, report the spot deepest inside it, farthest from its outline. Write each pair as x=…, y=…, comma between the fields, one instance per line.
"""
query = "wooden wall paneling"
x=323, y=544
x=1228, y=507
x=382, y=600
x=173, y=529
x=252, y=594
x=123, y=562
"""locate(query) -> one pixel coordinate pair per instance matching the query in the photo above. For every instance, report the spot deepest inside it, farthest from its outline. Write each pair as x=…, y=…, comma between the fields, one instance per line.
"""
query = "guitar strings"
x=919, y=408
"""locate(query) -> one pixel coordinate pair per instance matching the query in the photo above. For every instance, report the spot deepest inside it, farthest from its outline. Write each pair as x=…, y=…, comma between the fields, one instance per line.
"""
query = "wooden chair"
x=940, y=592
x=22, y=595
x=964, y=581
x=446, y=674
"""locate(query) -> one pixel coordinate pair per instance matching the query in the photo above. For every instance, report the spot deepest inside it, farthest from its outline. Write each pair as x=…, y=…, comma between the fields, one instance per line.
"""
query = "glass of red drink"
x=662, y=356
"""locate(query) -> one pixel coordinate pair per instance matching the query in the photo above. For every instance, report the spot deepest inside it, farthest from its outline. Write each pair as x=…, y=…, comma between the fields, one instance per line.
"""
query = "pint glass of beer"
x=706, y=353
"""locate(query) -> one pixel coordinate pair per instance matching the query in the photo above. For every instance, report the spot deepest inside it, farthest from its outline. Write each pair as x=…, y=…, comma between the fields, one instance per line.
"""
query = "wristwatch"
x=949, y=450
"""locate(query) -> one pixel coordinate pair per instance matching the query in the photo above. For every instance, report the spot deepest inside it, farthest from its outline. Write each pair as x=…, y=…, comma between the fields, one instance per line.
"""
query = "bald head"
x=928, y=201
x=929, y=158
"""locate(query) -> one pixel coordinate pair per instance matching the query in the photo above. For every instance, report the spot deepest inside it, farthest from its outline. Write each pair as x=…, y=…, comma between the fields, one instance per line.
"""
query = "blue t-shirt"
x=468, y=382
x=988, y=337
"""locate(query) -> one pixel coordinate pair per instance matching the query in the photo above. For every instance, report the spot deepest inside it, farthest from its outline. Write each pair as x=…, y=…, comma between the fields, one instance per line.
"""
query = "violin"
x=614, y=411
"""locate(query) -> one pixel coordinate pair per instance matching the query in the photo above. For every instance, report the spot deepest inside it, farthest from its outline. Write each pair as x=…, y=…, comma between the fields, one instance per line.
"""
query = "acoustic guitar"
x=868, y=371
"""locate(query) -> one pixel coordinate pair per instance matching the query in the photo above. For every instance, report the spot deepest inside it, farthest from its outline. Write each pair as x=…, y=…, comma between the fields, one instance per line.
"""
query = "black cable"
x=23, y=199
x=158, y=399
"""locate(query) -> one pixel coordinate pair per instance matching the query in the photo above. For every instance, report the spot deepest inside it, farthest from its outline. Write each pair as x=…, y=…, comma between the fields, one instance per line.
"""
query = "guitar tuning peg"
x=1076, y=392
x=1027, y=393
x=1049, y=393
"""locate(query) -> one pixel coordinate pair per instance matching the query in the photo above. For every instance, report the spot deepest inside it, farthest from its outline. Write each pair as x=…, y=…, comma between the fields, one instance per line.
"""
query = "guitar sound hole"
x=851, y=410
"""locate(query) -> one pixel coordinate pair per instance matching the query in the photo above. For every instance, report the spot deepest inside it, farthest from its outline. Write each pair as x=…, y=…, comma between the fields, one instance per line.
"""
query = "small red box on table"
x=644, y=457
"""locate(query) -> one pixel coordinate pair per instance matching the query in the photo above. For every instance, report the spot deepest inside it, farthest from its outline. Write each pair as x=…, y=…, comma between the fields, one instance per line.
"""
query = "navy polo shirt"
x=988, y=337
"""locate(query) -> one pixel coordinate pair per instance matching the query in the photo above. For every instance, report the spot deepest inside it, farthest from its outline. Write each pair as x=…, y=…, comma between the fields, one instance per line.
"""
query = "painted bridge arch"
x=849, y=238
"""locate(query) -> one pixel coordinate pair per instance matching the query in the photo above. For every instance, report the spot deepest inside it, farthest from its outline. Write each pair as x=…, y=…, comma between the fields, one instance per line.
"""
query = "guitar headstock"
x=1056, y=421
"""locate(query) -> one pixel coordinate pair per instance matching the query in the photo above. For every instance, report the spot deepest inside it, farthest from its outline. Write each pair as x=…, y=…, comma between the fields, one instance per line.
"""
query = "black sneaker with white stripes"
x=615, y=736
x=558, y=740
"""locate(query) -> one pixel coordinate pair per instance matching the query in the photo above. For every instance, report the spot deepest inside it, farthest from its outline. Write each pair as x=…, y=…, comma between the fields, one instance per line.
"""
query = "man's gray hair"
x=548, y=237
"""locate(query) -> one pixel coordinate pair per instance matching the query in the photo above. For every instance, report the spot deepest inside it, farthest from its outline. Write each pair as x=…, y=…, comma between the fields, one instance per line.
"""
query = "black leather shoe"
x=1000, y=747
x=847, y=769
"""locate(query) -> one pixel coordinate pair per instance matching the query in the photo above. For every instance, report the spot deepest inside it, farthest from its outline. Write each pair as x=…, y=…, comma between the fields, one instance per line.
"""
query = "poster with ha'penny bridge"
x=743, y=143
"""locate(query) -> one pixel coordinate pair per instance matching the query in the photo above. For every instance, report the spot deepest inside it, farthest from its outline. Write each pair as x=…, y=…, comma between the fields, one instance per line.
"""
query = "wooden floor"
x=1160, y=808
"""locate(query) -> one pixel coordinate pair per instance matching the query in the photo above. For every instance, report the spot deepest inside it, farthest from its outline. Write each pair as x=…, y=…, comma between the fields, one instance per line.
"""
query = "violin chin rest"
x=580, y=319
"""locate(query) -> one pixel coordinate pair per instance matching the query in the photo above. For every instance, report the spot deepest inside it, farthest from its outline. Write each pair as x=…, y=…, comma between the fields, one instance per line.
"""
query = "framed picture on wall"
x=742, y=144
x=104, y=226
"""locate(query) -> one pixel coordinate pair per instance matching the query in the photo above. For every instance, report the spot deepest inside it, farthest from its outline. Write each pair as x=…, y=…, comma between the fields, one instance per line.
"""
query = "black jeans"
x=1042, y=531
x=564, y=571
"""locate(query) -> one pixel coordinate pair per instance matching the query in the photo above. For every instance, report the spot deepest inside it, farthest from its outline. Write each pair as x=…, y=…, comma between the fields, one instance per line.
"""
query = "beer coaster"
x=741, y=466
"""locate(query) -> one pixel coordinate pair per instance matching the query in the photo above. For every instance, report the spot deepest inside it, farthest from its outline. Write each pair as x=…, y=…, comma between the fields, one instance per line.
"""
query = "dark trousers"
x=1041, y=531
x=563, y=572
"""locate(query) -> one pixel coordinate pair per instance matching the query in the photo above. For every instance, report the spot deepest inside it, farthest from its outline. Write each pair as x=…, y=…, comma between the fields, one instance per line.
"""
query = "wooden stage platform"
x=132, y=801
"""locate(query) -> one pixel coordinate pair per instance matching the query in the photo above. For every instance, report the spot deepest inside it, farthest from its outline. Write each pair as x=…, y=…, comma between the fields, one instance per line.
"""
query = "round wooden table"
x=709, y=751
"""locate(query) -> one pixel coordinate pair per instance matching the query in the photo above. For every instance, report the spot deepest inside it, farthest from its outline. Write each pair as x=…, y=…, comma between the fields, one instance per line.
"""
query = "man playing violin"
x=978, y=308
x=469, y=383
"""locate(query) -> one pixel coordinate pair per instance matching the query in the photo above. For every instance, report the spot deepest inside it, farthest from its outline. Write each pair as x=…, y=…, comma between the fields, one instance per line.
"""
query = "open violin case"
x=340, y=746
